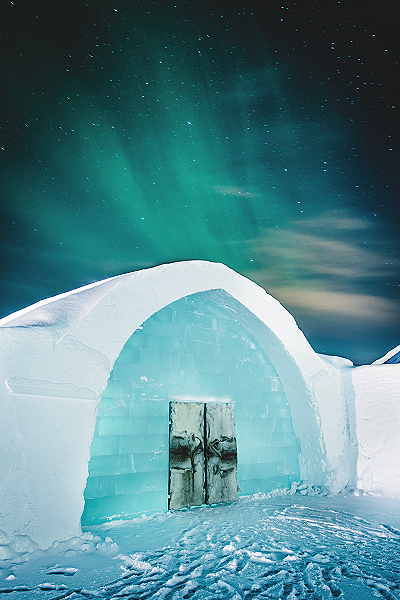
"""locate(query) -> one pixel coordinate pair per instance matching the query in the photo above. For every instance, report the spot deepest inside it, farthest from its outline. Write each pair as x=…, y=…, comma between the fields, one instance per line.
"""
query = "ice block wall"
x=191, y=350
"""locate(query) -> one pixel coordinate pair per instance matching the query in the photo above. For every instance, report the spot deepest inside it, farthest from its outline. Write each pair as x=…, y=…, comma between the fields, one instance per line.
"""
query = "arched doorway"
x=192, y=350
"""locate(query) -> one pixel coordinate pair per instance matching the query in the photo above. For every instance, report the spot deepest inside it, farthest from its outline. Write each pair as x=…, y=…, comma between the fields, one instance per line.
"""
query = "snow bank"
x=377, y=401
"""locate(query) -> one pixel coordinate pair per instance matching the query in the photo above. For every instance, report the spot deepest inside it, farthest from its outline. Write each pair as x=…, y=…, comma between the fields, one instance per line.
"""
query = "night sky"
x=263, y=135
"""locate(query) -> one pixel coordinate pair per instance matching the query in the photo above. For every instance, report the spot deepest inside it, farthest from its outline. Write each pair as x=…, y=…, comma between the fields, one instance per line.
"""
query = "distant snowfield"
x=288, y=547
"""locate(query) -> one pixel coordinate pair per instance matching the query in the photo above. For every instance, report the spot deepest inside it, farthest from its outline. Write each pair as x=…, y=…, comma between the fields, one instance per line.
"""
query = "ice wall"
x=56, y=358
x=191, y=350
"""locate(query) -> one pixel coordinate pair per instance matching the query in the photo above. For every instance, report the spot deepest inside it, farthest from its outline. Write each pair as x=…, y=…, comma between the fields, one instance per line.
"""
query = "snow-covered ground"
x=260, y=547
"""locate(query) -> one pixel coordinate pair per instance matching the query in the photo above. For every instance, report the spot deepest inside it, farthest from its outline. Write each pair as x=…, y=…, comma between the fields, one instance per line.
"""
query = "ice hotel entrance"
x=193, y=411
x=88, y=379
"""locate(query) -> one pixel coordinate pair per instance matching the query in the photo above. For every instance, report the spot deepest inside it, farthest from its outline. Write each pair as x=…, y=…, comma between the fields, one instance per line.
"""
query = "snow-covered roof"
x=391, y=357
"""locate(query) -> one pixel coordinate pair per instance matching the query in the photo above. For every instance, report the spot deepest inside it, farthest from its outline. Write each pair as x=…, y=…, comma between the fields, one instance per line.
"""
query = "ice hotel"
x=176, y=386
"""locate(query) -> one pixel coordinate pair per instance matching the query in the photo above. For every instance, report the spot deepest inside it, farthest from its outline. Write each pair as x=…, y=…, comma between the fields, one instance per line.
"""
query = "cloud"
x=230, y=190
x=324, y=247
x=335, y=220
x=358, y=306
x=326, y=266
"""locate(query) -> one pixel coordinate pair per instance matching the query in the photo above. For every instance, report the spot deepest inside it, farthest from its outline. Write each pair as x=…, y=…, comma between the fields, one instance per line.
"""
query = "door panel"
x=186, y=454
x=221, y=454
x=202, y=455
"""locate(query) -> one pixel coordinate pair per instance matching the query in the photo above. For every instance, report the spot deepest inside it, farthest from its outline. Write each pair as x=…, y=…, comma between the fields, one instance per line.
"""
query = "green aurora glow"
x=135, y=136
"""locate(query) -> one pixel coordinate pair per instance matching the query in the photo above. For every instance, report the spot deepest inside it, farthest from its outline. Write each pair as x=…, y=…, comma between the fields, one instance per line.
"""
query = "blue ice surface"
x=191, y=350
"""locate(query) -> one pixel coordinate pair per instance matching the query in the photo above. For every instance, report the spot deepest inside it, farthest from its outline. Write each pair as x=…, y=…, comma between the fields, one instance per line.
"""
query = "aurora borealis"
x=261, y=135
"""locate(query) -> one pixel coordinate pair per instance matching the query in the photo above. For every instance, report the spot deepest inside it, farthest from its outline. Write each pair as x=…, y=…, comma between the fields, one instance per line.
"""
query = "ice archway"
x=192, y=351
x=58, y=358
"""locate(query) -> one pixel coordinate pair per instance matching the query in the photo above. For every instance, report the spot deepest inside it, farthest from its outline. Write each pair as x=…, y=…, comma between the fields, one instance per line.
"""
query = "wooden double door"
x=202, y=454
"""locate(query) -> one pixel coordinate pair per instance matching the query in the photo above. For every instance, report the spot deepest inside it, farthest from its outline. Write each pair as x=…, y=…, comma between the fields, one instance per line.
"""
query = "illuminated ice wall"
x=191, y=350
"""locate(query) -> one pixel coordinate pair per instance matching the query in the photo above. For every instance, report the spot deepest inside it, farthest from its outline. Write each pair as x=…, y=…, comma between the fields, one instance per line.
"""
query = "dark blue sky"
x=261, y=135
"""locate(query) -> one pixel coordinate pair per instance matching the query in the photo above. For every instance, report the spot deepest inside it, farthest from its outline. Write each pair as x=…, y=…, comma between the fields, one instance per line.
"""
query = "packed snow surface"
x=288, y=547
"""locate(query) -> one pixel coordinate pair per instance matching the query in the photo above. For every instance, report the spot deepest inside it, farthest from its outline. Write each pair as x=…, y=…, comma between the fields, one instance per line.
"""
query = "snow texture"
x=292, y=548
x=56, y=358
x=377, y=389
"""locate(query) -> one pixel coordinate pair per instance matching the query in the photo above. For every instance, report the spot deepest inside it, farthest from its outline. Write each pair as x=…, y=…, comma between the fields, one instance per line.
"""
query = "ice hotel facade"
x=175, y=386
